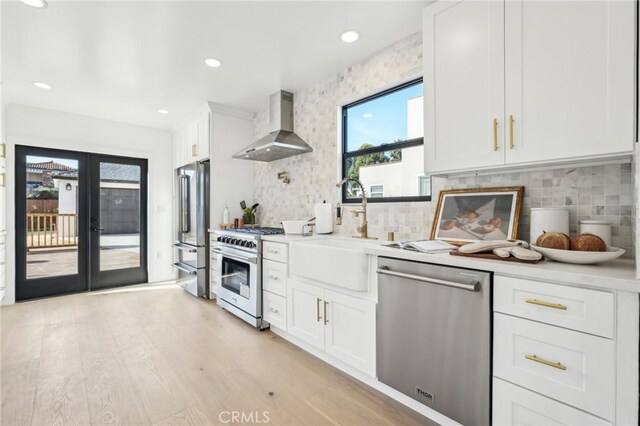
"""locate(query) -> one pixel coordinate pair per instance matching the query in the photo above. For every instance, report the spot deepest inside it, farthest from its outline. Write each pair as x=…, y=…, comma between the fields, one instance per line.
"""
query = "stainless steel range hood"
x=281, y=142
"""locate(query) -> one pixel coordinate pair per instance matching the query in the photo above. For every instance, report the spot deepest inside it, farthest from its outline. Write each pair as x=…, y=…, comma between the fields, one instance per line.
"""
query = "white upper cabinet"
x=464, y=85
x=192, y=142
x=569, y=79
x=527, y=82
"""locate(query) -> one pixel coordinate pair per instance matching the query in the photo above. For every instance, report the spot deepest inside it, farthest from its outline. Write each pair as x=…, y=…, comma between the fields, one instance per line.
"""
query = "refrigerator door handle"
x=185, y=199
x=185, y=269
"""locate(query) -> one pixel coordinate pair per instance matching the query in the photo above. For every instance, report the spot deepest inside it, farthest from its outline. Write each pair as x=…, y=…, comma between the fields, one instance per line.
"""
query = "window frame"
x=346, y=155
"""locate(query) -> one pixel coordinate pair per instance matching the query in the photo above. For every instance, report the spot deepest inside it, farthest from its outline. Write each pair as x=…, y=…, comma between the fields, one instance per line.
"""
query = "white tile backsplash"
x=598, y=192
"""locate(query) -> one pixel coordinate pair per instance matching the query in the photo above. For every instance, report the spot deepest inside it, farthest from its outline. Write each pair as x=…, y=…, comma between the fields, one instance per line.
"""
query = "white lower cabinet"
x=515, y=406
x=305, y=320
x=350, y=330
x=274, y=309
x=3, y=266
x=343, y=326
x=568, y=366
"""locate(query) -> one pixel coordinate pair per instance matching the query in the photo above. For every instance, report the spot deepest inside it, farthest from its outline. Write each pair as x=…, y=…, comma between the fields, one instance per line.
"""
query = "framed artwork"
x=469, y=215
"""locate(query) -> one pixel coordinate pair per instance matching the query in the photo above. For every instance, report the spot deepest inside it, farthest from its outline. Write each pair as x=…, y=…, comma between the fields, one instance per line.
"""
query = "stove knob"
x=252, y=245
x=220, y=239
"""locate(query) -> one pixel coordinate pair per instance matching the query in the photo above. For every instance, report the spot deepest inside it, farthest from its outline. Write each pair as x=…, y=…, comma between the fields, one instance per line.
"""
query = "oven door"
x=238, y=281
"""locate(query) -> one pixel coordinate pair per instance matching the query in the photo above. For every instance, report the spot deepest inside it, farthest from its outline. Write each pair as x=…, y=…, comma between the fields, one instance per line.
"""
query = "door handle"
x=326, y=320
x=511, y=120
x=96, y=229
x=318, y=317
x=495, y=134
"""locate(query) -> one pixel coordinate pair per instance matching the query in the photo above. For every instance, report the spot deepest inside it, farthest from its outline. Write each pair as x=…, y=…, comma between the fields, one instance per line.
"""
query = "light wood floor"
x=161, y=356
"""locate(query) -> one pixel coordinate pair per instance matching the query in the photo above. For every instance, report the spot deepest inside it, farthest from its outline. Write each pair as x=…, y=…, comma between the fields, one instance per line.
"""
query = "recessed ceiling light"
x=40, y=4
x=42, y=85
x=163, y=111
x=213, y=62
x=349, y=36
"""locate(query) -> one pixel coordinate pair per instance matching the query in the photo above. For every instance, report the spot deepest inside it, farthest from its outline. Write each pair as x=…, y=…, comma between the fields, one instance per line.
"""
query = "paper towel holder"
x=284, y=177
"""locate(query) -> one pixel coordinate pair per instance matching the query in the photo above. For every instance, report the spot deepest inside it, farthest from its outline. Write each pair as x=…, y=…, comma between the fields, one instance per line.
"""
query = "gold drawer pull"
x=535, y=358
x=326, y=320
x=546, y=304
x=495, y=134
x=318, y=317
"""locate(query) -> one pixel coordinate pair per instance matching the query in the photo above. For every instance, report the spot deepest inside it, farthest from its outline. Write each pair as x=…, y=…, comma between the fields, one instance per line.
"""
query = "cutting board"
x=491, y=256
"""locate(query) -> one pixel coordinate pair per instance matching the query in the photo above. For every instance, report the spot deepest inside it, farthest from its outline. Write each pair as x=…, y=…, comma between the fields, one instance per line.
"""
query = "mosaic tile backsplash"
x=597, y=192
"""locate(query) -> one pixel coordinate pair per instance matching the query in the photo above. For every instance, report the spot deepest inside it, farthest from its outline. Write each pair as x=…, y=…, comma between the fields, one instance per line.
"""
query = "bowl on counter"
x=579, y=257
x=293, y=227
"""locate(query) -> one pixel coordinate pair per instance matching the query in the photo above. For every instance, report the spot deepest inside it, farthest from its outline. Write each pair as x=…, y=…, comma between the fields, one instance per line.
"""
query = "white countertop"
x=614, y=275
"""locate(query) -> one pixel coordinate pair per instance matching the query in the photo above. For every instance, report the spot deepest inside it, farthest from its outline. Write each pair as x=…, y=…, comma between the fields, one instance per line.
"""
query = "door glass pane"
x=235, y=277
x=52, y=215
x=119, y=216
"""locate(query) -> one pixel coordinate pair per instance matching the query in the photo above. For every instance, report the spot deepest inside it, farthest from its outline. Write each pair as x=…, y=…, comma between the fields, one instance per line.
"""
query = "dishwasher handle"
x=472, y=286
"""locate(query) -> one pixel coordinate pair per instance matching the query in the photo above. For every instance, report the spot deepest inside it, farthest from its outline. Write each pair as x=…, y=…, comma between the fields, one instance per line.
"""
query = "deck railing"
x=52, y=230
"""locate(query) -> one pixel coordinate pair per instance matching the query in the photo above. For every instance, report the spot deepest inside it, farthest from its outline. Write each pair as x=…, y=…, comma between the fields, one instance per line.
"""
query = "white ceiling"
x=124, y=60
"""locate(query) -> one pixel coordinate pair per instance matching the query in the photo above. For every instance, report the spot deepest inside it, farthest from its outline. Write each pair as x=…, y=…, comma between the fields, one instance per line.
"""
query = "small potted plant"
x=249, y=214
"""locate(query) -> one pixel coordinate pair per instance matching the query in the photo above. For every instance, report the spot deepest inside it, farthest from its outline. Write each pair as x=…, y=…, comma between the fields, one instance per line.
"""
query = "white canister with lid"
x=548, y=219
x=601, y=228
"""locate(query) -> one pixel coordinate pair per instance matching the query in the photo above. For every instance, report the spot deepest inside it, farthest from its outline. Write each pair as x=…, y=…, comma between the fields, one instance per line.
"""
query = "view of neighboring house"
x=405, y=176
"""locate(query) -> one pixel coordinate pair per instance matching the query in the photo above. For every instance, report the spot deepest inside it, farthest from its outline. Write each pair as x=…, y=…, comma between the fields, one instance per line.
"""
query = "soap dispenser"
x=225, y=215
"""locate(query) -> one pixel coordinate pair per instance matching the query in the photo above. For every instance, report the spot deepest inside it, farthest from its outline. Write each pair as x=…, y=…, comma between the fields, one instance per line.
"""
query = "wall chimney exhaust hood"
x=281, y=142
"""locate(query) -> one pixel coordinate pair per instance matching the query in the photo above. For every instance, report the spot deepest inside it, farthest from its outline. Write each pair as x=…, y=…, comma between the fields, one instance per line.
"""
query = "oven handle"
x=239, y=258
x=188, y=271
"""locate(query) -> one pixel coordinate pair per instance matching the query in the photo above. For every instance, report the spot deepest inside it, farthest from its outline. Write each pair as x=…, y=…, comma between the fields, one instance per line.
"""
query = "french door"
x=81, y=222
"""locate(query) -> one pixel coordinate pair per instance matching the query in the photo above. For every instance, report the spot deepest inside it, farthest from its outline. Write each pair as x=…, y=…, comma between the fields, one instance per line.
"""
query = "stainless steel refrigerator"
x=192, y=209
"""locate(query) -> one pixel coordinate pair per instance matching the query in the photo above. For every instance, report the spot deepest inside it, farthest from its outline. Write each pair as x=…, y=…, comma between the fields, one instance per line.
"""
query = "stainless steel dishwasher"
x=434, y=336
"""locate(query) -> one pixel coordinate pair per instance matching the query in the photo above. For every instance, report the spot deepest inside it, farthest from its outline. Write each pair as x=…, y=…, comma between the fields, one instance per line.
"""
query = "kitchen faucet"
x=363, y=229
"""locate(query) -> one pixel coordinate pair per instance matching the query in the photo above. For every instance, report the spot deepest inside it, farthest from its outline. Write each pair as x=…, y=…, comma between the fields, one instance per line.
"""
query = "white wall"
x=26, y=125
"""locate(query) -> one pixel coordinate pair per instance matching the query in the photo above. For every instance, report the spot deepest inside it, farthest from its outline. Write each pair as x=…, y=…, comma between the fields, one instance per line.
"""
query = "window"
x=376, y=191
x=383, y=146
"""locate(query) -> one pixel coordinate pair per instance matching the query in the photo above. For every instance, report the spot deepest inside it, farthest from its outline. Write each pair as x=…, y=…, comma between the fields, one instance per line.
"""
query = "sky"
x=380, y=120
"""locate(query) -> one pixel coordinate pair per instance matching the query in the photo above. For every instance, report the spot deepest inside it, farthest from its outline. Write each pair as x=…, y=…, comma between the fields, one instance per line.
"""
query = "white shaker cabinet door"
x=569, y=79
x=463, y=85
x=350, y=330
x=305, y=318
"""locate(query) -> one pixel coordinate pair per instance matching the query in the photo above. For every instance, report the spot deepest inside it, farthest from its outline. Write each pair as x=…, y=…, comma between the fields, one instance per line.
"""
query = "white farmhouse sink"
x=339, y=262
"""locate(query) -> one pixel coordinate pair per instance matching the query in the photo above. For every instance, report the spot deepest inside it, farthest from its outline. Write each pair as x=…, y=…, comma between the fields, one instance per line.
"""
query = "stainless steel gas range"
x=239, y=271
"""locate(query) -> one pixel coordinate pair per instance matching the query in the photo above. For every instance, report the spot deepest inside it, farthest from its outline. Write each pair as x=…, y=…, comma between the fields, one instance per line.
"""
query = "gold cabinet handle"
x=326, y=320
x=4, y=150
x=495, y=134
x=318, y=317
x=536, y=358
x=511, y=120
x=4, y=179
x=194, y=150
x=546, y=304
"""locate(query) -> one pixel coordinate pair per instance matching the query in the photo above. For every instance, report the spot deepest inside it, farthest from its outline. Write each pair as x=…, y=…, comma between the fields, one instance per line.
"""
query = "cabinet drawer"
x=275, y=309
x=515, y=406
x=213, y=260
x=274, y=251
x=590, y=311
x=213, y=282
x=274, y=277
x=571, y=367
